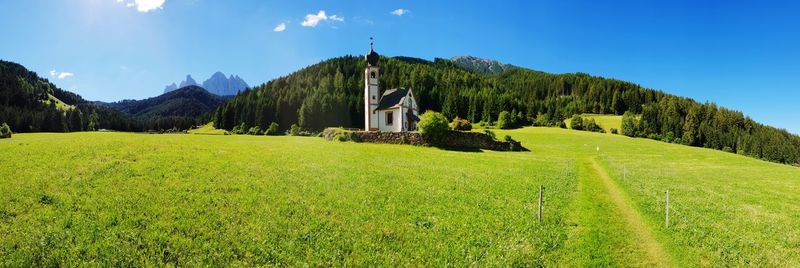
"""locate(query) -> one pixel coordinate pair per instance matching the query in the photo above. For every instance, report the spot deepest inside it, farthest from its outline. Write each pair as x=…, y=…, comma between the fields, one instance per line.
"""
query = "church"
x=395, y=111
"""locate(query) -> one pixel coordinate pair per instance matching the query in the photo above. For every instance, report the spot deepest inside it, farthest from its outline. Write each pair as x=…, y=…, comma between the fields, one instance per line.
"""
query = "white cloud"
x=60, y=75
x=145, y=6
x=64, y=75
x=149, y=5
x=313, y=20
x=280, y=28
x=400, y=12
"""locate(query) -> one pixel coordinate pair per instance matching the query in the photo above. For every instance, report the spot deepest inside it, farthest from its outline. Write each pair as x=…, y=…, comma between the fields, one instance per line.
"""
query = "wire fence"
x=712, y=232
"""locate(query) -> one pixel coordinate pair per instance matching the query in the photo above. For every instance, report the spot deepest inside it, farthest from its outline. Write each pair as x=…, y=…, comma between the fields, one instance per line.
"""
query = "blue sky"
x=744, y=55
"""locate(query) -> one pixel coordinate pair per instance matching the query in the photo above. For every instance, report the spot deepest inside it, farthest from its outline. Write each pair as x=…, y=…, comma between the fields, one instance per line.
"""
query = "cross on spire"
x=371, y=43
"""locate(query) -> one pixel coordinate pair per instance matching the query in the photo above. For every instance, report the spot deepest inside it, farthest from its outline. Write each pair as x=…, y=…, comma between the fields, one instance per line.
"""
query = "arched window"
x=372, y=74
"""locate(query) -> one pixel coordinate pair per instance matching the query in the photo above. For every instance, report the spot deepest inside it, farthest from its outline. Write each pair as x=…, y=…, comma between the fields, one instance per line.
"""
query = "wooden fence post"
x=666, y=218
x=541, y=190
x=624, y=173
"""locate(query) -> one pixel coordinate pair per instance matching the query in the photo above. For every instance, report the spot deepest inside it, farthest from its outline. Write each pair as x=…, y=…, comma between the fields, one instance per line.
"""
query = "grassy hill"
x=208, y=129
x=59, y=104
x=118, y=199
x=606, y=122
x=330, y=94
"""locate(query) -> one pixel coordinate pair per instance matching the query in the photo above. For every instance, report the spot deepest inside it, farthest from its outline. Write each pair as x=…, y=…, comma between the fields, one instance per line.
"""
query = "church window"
x=389, y=118
x=372, y=74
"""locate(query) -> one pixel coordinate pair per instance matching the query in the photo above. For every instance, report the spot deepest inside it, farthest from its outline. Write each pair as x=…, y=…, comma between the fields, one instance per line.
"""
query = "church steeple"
x=372, y=57
x=371, y=88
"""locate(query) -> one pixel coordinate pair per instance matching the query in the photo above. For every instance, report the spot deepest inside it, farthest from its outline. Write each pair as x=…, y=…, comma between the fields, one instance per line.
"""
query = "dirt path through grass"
x=636, y=225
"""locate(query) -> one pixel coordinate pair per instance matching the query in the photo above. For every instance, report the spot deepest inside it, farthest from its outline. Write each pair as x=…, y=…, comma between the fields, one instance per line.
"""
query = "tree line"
x=684, y=121
x=330, y=94
x=29, y=103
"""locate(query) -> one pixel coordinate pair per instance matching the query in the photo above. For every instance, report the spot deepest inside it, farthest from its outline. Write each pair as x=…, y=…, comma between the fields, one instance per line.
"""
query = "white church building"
x=395, y=110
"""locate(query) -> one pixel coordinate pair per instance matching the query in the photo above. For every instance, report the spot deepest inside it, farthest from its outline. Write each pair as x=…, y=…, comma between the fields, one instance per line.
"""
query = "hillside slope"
x=29, y=103
x=191, y=101
x=330, y=93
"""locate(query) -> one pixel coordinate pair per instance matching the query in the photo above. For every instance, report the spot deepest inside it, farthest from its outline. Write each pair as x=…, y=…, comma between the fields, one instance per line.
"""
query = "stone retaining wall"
x=453, y=139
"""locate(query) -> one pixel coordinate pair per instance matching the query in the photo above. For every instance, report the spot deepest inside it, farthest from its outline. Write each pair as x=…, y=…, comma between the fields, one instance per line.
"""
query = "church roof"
x=372, y=58
x=391, y=98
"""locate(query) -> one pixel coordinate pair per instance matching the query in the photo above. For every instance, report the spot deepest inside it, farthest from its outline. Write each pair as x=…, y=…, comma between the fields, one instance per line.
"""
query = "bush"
x=433, y=125
x=669, y=137
x=272, y=129
x=543, y=120
x=240, y=129
x=254, y=131
x=614, y=131
x=561, y=124
x=490, y=134
x=629, y=123
x=5, y=131
x=294, y=130
x=591, y=125
x=339, y=134
x=460, y=124
x=576, y=123
x=505, y=120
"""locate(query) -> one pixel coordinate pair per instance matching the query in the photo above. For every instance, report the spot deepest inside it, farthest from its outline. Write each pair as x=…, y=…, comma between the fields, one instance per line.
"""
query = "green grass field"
x=208, y=129
x=103, y=199
x=606, y=122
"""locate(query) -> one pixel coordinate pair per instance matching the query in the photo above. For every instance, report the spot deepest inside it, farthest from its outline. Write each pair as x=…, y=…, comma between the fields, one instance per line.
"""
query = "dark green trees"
x=331, y=94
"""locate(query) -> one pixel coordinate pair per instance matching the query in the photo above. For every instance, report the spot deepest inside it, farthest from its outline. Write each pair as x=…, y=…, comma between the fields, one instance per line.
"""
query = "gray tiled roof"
x=391, y=98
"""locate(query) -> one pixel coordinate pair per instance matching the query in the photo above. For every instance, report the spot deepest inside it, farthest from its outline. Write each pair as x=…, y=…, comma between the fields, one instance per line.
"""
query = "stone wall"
x=453, y=139
x=476, y=140
x=412, y=138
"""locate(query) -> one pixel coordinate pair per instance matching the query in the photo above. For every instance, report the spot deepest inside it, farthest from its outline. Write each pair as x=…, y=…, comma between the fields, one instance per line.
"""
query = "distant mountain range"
x=482, y=66
x=218, y=84
x=190, y=101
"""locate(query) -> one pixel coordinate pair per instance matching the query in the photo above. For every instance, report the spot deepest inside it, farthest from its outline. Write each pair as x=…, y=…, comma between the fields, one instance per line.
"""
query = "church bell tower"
x=371, y=89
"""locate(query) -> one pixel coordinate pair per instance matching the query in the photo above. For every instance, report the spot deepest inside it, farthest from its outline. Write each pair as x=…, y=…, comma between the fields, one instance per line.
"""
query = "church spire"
x=372, y=57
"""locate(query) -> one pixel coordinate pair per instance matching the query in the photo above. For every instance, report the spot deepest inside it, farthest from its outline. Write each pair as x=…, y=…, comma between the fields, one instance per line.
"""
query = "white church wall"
x=396, y=122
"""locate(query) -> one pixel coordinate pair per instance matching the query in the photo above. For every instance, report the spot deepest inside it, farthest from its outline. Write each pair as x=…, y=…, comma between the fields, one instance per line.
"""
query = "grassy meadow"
x=208, y=129
x=135, y=199
x=605, y=121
